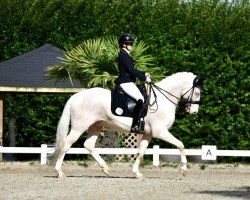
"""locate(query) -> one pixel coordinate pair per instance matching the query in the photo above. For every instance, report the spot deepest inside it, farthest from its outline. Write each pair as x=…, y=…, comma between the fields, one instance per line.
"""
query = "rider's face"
x=129, y=46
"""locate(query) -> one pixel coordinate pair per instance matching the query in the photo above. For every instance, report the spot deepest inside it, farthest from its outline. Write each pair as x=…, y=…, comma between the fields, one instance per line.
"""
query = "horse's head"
x=192, y=96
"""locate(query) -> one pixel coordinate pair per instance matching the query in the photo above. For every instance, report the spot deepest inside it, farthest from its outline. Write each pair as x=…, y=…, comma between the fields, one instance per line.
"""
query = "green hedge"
x=207, y=37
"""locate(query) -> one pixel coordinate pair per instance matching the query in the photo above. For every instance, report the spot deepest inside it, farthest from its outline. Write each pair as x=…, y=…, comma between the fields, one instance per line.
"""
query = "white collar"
x=126, y=50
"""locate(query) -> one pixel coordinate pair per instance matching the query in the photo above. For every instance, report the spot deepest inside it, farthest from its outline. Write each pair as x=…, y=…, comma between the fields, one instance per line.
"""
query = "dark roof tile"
x=27, y=70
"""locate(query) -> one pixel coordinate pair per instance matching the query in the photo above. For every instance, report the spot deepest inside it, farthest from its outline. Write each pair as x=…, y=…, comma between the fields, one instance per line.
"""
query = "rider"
x=127, y=77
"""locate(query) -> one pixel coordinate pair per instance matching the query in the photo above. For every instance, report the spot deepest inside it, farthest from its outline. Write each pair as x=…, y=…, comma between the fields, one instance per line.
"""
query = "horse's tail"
x=61, y=133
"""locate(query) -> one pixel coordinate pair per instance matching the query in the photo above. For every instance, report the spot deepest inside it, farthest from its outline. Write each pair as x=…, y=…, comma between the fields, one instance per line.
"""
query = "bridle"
x=187, y=102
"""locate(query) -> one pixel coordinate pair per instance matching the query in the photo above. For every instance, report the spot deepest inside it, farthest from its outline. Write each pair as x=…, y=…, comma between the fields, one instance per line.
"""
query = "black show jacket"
x=127, y=72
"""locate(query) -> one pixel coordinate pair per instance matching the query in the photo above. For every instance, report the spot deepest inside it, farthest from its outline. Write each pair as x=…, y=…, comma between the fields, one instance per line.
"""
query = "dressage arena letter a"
x=208, y=152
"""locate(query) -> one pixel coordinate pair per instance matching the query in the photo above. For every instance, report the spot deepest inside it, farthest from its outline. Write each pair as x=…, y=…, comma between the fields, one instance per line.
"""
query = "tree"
x=207, y=37
x=93, y=63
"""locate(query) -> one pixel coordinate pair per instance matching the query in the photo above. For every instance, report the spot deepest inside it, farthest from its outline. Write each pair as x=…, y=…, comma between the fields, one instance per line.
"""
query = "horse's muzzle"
x=192, y=109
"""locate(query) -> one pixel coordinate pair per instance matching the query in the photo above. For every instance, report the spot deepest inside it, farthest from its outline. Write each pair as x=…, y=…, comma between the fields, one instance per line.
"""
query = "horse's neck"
x=174, y=85
x=171, y=87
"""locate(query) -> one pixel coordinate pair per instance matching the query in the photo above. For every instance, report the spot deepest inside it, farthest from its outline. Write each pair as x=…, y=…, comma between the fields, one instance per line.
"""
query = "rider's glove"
x=148, y=79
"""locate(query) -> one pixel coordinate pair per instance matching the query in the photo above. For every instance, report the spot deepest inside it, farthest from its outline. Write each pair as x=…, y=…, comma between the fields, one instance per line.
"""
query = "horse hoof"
x=142, y=178
x=105, y=170
x=61, y=175
x=183, y=172
x=139, y=176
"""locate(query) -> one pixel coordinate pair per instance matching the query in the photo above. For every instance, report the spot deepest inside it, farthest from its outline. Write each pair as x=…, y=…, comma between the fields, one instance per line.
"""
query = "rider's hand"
x=147, y=75
x=148, y=79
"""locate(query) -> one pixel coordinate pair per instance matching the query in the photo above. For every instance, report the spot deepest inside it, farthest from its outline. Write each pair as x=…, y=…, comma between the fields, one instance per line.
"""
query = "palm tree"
x=93, y=63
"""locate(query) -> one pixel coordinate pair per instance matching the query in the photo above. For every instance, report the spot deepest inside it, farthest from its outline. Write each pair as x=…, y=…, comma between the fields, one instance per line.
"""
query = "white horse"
x=90, y=110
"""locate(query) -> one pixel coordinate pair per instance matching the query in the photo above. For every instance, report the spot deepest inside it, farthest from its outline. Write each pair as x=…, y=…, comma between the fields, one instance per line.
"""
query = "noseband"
x=189, y=100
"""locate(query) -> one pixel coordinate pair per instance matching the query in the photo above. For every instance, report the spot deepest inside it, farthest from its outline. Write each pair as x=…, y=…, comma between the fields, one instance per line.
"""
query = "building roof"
x=27, y=70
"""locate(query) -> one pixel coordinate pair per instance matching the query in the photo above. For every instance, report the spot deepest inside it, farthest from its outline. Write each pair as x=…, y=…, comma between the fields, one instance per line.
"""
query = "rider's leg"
x=132, y=90
x=136, y=128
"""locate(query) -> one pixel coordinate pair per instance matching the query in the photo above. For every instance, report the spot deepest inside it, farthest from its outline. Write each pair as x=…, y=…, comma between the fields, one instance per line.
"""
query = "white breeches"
x=132, y=90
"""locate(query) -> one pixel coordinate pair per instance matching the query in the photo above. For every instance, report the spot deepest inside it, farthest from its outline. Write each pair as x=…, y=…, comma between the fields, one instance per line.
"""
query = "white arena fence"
x=207, y=152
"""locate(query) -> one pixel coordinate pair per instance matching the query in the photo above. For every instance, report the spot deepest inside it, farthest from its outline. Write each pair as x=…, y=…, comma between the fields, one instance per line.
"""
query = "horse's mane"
x=179, y=76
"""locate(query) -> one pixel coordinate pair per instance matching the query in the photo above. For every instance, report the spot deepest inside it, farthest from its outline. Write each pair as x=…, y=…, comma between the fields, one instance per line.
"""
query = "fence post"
x=43, y=154
x=156, y=158
x=1, y=122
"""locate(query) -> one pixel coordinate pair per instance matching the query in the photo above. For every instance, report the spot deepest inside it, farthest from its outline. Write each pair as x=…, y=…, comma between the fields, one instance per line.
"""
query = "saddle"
x=123, y=105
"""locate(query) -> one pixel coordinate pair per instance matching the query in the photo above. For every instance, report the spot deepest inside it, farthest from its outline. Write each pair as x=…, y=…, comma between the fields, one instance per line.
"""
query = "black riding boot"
x=136, y=124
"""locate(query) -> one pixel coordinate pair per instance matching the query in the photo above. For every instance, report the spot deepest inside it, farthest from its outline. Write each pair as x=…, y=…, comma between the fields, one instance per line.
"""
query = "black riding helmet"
x=125, y=38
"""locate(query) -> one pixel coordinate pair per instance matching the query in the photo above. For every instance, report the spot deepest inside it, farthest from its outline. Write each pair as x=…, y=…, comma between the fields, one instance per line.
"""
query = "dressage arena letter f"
x=208, y=152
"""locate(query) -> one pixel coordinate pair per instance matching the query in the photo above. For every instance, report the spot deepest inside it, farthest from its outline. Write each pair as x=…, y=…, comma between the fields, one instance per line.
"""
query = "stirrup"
x=137, y=130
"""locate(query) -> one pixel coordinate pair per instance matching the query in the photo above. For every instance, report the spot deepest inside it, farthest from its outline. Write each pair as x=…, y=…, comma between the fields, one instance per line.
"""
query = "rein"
x=162, y=91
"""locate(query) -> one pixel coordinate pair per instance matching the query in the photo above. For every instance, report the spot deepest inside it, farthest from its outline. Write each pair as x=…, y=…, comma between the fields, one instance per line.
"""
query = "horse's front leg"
x=142, y=148
x=168, y=137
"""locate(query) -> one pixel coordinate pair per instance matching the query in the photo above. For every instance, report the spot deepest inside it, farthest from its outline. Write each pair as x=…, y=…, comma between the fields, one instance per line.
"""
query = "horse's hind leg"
x=142, y=148
x=93, y=133
x=67, y=143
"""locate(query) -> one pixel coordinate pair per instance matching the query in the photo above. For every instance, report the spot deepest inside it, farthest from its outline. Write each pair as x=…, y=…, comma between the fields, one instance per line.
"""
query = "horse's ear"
x=198, y=81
